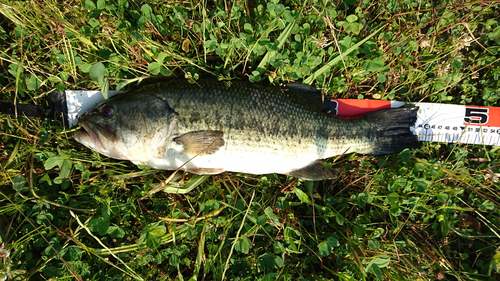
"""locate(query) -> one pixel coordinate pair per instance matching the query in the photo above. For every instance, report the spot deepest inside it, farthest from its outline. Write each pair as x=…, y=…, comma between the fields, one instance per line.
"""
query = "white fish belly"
x=252, y=162
x=263, y=161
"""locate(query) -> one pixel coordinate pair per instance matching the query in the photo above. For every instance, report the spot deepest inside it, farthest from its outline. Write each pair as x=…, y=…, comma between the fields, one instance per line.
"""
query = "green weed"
x=69, y=213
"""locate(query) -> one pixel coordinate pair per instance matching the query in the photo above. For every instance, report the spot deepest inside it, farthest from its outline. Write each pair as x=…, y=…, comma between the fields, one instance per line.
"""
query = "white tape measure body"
x=458, y=123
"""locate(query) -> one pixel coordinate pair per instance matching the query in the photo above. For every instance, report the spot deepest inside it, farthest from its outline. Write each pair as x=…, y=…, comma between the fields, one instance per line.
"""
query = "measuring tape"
x=435, y=122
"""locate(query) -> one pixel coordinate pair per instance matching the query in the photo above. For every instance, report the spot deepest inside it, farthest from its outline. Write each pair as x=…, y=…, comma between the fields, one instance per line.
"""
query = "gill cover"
x=125, y=126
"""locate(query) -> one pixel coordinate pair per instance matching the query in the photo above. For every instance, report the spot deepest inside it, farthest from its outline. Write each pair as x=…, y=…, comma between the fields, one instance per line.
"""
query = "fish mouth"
x=95, y=134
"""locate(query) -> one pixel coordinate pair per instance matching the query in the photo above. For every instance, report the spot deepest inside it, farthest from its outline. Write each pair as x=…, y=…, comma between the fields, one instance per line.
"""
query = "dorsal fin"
x=306, y=94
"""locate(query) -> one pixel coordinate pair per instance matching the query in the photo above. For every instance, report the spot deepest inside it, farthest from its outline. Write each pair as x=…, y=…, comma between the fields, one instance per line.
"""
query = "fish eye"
x=107, y=111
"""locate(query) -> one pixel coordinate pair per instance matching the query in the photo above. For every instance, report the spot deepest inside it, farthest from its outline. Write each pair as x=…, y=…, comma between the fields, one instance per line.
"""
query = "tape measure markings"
x=437, y=122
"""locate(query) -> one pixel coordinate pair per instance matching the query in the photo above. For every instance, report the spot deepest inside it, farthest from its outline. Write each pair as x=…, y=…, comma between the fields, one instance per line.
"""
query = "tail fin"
x=393, y=133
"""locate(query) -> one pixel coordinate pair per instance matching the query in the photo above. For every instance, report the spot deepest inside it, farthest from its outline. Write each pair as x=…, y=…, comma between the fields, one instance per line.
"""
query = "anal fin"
x=314, y=172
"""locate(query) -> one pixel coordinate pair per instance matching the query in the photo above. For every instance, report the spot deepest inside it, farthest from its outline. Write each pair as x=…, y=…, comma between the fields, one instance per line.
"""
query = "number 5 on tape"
x=476, y=116
x=435, y=122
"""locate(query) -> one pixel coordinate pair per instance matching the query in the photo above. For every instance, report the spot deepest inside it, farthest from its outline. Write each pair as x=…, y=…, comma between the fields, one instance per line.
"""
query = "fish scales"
x=253, y=129
x=263, y=121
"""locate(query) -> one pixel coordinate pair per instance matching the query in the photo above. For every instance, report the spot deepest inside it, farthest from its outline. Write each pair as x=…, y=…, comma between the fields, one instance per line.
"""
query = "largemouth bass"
x=238, y=127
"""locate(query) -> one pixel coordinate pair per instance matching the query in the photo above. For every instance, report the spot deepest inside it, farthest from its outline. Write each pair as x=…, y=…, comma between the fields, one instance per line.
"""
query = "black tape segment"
x=57, y=101
x=57, y=109
x=25, y=109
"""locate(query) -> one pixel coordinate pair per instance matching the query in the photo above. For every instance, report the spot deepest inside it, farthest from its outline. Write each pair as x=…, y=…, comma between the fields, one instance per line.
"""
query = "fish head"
x=129, y=127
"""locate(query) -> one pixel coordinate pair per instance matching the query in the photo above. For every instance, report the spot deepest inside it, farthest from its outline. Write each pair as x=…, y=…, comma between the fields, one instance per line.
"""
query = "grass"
x=69, y=213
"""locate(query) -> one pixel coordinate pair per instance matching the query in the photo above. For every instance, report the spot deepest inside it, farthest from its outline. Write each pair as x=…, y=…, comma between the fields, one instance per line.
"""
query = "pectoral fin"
x=314, y=172
x=207, y=142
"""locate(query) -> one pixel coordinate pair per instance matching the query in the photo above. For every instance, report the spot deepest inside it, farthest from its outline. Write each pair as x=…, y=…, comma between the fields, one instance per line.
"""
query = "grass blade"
x=201, y=252
x=129, y=271
x=193, y=182
x=309, y=80
x=281, y=41
x=237, y=236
